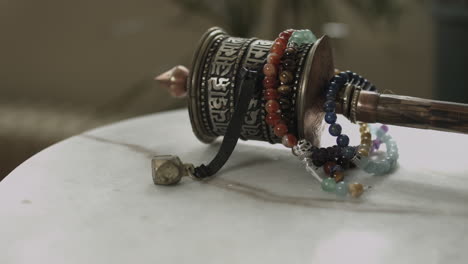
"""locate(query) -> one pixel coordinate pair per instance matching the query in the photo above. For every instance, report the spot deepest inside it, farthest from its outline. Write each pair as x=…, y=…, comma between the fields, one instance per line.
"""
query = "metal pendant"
x=169, y=169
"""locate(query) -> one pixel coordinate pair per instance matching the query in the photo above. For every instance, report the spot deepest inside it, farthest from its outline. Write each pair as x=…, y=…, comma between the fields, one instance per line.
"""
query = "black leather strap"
x=247, y=86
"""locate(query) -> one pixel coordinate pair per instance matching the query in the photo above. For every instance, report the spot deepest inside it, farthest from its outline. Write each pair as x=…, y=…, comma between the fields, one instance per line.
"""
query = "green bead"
x=304, y=36
x=309, y=36
x=328, y=185
x=341, y=189
x=296, y=39
x=297, y=34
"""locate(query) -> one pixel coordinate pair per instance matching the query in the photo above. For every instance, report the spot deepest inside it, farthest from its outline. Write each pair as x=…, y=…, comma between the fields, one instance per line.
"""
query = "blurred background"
x=68, y=66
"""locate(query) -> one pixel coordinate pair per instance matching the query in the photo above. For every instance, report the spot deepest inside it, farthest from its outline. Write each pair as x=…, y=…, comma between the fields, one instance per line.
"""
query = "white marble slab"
x=91, y=199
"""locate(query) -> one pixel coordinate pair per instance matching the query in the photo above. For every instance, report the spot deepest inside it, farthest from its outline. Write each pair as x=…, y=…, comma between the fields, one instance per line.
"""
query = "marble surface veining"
x=91, y=199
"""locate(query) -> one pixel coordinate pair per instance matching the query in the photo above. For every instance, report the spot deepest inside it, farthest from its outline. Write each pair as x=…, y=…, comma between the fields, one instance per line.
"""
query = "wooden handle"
x=411, y=112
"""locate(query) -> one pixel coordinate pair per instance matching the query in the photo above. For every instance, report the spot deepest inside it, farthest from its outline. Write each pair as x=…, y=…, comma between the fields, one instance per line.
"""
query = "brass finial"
x=175, y=80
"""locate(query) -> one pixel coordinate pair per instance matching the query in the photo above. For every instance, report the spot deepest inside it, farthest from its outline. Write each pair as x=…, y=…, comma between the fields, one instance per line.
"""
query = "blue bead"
x=336, y=168
x=349, y=152
x=330, y=118
x=334, y=130
x=342, y=140
x=344, y=76
x=365, y=84
x=340, y=81
x=331, y=92
x=330, y=96
x=334, y=86
x=329, y=106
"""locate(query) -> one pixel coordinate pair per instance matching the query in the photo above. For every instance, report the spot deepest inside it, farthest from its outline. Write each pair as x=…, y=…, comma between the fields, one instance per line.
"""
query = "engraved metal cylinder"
x=213, y=87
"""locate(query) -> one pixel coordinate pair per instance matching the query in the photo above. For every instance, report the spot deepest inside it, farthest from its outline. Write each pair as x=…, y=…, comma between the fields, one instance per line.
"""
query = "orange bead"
x=270, y=94
x=338, y=175
x=272, y=119
x=278, y=47
x=270, y=82
x=283, y=41
x=289, y=140
x=272, y=106
x=270, y=70
x=280, y=129
x=273, y=58
x=286, y=34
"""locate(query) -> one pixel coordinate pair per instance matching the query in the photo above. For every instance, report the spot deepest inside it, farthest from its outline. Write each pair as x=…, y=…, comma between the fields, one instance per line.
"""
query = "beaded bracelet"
x=335, y=182
x=282, y=46
x=311, y=156
x=384, y=163
x=374, y=166
x=366, y=140
x=270, y=83
x=341, y=188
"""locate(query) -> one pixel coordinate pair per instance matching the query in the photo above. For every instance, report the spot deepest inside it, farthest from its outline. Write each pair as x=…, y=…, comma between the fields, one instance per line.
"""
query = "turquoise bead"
x=390, y=161
x=386, y=138
x=393, y=155
x=309, y=36
x=362, y=162
x=384, y=164
x=298, y=34
x=303, y=37
x=296, y=39
x=391, y=144
x=382, y=168
x=380, y=133
x=328, y=185
x=341, y=189
x=371, y=167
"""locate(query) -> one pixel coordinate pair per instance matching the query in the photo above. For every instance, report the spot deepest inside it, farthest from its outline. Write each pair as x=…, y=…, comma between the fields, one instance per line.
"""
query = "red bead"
x=284, y=42
x=274, y=58
x=272, y=106
x=270, y=82
x=328, y=166
x=289, y=140
x=278, y=47
x=286, y=34
x=280, y=129
x=272, y=119
x=270, y=70
x=270, y=94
